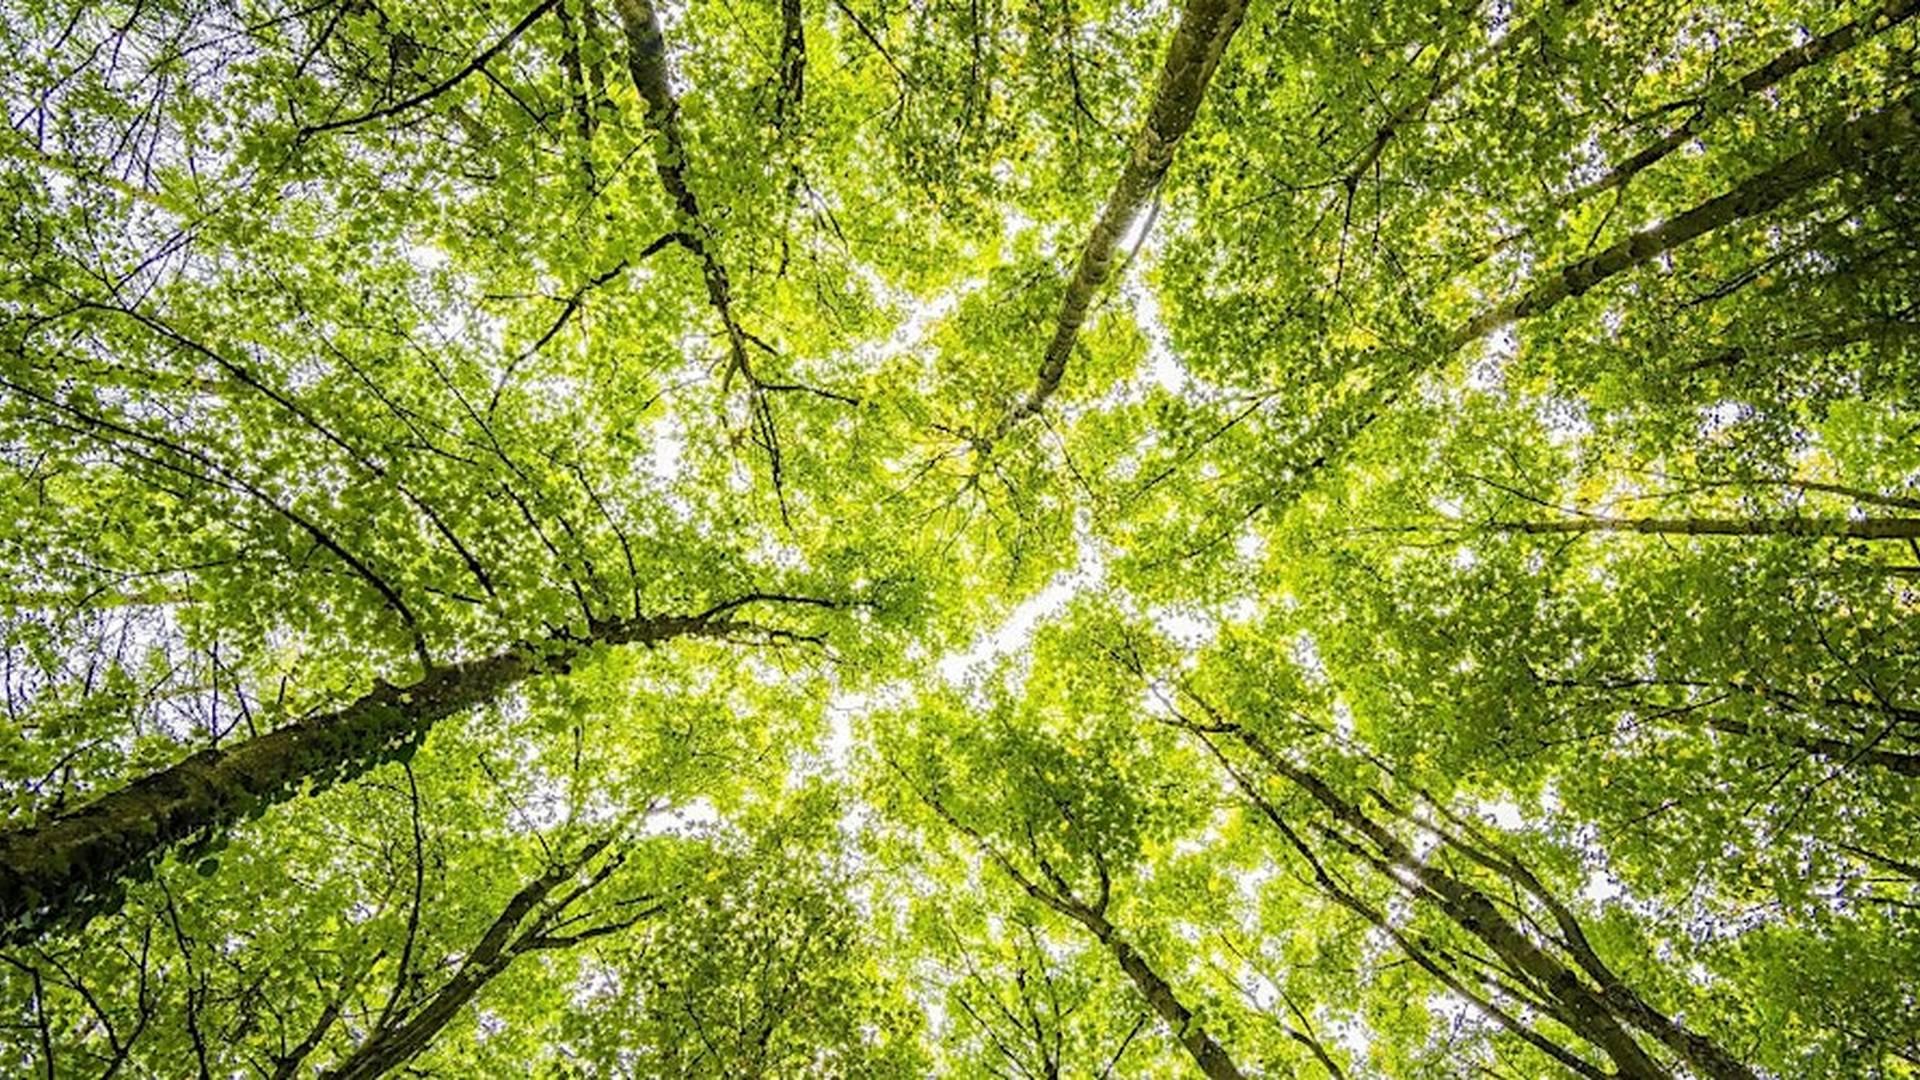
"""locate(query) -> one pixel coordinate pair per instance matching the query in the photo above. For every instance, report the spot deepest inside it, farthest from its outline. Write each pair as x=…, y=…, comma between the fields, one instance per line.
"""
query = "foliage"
x=590, y=538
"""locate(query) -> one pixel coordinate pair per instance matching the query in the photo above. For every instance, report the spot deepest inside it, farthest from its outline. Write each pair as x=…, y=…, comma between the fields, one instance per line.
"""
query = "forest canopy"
x=1005, y=538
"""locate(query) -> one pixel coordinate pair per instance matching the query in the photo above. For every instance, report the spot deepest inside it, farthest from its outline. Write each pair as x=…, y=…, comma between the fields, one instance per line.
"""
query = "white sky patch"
x=426, y=258
x=845, y=709
x=1590, y=163
x=1343, y=718
x=1722, y=415
x=545, y=802
x=920, y=317
x=1011, y=226
x=1185, y=627
x=772, y=552
x=1013, y=634
x=1017, y=631
x=1353, y=1034
x=1306, y=653
x=834, y=753
x=1565, y=419
x=1250, y=546
x=1499, y=17
x=1252, y=883
x=1504, y=813
x=596, y=982
x=1489, y=373
x=1240, y=611
x=1163, y=367
x=1601, y=887
x=1260, y=989
x=695, y=817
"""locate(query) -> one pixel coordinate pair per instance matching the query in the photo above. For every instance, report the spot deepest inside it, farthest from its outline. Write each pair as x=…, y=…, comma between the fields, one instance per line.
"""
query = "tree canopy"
x=605, y=538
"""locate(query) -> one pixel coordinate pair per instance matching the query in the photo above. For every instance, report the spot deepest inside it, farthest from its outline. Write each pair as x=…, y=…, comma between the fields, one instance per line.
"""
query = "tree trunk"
x=1838, y=147
x=1210, y=1056
x=388, y=1048
x=1861, y=529
x=1751, y=85
x=647, y=63
x=1596, y=1013
x=1205, y=28
x=1845, y=753
x=73, y=867
x=1582, y=1008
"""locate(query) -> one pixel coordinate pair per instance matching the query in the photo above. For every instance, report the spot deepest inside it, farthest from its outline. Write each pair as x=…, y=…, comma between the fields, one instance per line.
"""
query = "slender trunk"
x=388, y=1048
x=1861, y=529
x=1209, y=1055
x=1583, y=1009
x=1839, y=750
x=1754, y=83
x=647, y=62
x=1596, y=1013
x=793, y=64
x=73, y=867
x=1205, y=28
x=1386, y=926
x=1840, y=146
x=577, y=88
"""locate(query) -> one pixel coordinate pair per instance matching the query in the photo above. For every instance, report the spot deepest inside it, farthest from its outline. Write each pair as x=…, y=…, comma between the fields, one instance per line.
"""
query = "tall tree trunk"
x=1209, y=1055
x=1750, y=86
x=1838, y=750
x=1205, y=28
x=392, y=1045
x=1839, y=147
x=793, y=64
x=1849, y=528
x=1582, y=1008
x=72, y=868
x=1598, y=1013
x=647, y=63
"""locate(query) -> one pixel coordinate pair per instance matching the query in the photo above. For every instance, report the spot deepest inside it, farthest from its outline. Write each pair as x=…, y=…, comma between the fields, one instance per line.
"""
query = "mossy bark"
x=74, y=867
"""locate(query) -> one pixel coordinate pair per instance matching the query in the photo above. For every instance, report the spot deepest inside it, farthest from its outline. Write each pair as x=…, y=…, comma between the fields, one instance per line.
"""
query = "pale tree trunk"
x=1206, y=26
x=1055, y=893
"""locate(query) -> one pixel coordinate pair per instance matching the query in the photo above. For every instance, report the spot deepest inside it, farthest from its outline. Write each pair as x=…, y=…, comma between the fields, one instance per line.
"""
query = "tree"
x=1036, y=539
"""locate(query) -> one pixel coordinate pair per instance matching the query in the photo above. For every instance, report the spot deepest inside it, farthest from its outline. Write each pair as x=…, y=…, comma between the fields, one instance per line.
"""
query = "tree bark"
x=1212, y=1058
x=1598, y=1013
x=1861, y=529
x=1890, y=14
x=1839, y=750
x=1838, y=147
x=793, y=64
x=1209, y=1055
x=1583, y=1008
x=73, y=867
x=1205, y=28
x=390, y=1047
x=647, y=63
